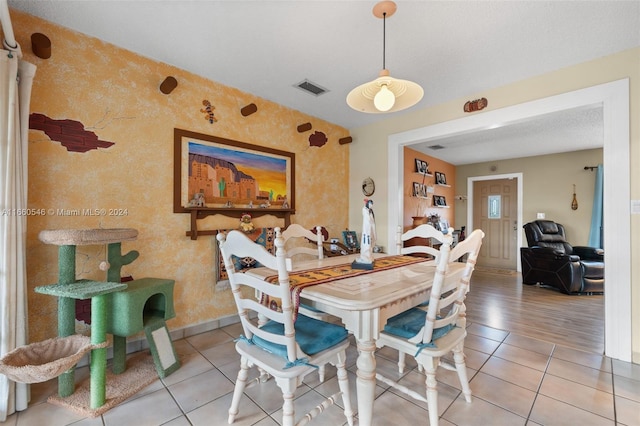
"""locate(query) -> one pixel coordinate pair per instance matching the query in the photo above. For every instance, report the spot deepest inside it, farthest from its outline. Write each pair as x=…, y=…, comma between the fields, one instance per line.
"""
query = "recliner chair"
x=552, y=261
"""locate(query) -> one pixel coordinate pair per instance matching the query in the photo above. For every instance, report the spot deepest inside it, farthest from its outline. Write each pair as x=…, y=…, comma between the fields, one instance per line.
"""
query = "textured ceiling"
x=453, y=49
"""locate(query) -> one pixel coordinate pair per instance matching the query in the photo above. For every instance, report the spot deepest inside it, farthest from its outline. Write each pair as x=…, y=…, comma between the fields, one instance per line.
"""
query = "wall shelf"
x=203, y=212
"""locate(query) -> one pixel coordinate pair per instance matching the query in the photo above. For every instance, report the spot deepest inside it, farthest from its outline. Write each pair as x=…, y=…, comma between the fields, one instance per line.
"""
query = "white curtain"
x=16, y=78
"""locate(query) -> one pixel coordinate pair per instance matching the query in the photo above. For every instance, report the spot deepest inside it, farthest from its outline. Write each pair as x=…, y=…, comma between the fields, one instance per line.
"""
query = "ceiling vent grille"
x=311, y=88
x=436, y=147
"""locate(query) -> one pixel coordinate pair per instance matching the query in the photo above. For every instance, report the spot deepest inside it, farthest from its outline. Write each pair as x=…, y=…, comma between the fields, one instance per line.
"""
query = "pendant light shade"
x=385, y=93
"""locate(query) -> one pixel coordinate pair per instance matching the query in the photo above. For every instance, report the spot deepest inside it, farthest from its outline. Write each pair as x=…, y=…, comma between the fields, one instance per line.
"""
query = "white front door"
x=495, y=211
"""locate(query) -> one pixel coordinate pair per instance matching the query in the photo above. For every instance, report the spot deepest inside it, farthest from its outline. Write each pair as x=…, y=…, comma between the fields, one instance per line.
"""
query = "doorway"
x=495, y=211
x=614, y=99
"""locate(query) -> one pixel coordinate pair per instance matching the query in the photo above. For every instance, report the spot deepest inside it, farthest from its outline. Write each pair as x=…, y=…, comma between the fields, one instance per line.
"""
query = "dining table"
x=364, y=301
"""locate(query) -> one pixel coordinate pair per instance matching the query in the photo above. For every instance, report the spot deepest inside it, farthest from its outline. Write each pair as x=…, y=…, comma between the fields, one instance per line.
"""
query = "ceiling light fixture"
x=385, y=93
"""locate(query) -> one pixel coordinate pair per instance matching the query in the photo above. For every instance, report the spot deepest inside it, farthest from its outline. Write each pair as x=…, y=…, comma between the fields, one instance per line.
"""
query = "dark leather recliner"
x=552, y=261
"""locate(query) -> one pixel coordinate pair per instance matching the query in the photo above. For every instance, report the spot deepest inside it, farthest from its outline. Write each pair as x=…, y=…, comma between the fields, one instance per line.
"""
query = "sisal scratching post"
x=116, y=262
x=98, y=356
x=66, y=311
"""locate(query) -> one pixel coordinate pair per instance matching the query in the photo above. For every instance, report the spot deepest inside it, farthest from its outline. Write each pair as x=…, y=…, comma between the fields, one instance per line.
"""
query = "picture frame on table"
x=350, y=239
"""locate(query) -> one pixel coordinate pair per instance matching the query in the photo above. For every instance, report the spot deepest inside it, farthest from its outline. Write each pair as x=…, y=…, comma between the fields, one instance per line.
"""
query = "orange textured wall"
x=414, y=206
x=115, y=93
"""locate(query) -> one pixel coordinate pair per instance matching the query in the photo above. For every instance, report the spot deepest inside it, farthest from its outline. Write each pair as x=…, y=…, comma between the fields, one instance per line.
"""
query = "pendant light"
x=385, y=93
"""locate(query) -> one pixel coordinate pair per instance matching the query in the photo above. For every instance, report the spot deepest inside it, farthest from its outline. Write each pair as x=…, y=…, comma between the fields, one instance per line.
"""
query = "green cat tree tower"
x=120, y=309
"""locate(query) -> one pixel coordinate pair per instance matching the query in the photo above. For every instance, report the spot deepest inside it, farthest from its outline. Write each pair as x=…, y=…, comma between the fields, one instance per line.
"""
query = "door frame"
x=518, y=177
x=614, y=99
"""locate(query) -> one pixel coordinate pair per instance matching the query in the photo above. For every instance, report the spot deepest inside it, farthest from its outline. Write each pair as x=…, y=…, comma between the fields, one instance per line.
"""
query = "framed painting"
x=214, y=172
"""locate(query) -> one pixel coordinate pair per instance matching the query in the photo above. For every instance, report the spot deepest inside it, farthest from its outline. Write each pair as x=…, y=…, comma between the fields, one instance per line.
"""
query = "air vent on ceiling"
x=436, y=147
x=310, y=87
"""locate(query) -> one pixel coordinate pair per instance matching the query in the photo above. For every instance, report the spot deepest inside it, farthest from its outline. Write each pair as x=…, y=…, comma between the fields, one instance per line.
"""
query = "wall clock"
x=368, y=187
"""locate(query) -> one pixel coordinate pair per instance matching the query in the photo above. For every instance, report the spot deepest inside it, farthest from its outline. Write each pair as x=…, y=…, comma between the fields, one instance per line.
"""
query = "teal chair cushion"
x=312, y=335
x=407, y=324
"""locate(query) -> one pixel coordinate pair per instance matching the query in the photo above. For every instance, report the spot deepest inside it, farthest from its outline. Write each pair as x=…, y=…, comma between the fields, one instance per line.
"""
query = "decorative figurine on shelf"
x=368, y=240
x=197, y=200
x=245, y=223
x=285, y=203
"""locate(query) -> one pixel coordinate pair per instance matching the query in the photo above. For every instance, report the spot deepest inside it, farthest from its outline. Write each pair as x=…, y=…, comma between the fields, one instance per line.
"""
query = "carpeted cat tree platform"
x=116, y=308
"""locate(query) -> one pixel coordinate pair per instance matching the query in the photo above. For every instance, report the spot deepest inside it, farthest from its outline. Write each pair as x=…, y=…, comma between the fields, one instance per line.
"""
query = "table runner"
x=301, y=279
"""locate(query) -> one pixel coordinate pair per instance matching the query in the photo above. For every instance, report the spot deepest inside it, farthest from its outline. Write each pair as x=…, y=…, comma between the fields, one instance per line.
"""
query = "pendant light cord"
x=384, y=39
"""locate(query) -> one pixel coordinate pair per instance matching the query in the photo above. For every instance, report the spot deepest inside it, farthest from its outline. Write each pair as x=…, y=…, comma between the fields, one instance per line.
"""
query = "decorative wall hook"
x=41, y=45
x=476, y=105
x=345, y=140
x=248, y=110
x=304, y=127
x=168, y=85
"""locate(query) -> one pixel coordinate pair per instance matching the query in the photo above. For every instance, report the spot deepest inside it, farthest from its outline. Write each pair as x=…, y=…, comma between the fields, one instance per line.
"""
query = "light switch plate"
x=540, y=216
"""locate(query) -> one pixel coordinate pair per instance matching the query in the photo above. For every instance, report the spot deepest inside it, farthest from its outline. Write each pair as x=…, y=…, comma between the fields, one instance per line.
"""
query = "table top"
x=366, y=291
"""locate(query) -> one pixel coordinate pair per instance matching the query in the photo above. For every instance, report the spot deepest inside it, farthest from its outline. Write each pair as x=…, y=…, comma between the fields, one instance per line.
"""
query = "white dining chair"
x=295, y=234
x=283, y=349
x=424, y=233
x=430, y=335
x=423, y=236
x=297, y=241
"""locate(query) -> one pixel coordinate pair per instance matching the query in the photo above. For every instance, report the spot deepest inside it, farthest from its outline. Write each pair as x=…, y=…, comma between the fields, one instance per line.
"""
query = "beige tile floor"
x=515, y=380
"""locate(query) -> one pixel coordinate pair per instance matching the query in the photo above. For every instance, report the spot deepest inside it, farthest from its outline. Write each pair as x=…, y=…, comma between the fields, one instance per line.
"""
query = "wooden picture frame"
x=230, y=174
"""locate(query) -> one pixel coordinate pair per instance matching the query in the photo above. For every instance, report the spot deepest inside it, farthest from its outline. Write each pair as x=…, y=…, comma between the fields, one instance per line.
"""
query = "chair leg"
x=321, y=371
x=461, y=368
x=401, y=362
x=343, y=383
x=432, y=391
x=241, y=382
x=288, y=387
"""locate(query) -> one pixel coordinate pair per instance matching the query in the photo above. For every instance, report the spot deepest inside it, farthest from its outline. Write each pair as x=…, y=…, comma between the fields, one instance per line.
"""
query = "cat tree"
x=121, y=309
